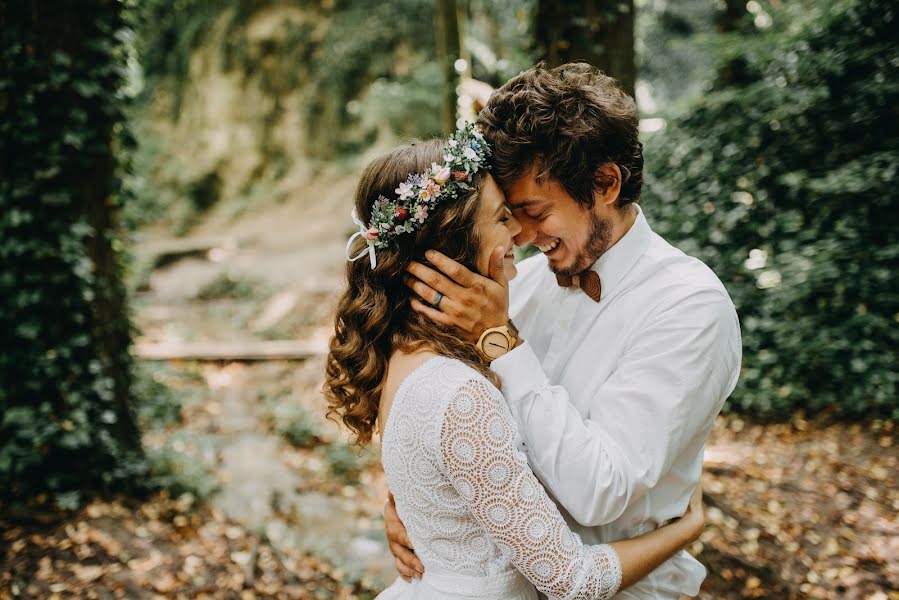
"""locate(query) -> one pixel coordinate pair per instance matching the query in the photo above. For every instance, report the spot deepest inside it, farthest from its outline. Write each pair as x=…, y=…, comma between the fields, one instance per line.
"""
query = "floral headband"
x=465, y=154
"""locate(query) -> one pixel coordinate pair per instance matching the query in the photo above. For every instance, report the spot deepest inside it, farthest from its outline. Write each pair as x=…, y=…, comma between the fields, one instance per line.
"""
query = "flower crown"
x=465, y=154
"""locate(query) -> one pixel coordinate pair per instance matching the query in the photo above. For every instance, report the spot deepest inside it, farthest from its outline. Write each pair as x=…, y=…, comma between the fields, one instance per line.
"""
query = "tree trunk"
x=65, y=371
x=732, y=19
x=599, y=32
x=448, y=51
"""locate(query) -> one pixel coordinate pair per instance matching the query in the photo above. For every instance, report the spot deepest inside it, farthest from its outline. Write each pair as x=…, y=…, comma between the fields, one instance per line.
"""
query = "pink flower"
x=421, y=213
x=372, y=233
x=460, y=175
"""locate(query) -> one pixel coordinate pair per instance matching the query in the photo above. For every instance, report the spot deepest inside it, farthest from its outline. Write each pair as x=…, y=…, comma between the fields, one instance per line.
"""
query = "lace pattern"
x=467, y=496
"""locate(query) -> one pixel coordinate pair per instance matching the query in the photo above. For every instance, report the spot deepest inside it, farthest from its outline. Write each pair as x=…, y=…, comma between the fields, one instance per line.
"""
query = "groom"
x=625, y=348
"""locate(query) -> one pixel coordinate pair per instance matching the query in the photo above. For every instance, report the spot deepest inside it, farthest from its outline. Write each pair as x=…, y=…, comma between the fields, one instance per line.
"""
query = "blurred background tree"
x=65, y=372
x=782, y=179
x=449, y=54
x=600, y=33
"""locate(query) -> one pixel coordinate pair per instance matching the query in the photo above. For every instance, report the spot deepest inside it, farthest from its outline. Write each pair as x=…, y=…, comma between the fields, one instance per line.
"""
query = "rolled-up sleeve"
x=669, y=384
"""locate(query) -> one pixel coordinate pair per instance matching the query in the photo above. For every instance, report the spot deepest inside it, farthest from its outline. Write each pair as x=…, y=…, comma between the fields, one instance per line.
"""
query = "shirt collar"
x=620, y=258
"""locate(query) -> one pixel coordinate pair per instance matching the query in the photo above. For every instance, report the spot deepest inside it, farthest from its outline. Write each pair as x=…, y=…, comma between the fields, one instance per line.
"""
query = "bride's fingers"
x=696, y=500
x=697, y=496
x=405, y=572
x=406, y=562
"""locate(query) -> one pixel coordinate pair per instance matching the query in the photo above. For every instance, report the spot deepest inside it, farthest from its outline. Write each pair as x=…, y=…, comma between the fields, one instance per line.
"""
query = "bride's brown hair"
x=374, y=317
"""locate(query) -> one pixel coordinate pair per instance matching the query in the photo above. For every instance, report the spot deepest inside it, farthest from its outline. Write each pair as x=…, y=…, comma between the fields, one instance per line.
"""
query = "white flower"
x=470, y=154
x=440, y=173
x=405, y=190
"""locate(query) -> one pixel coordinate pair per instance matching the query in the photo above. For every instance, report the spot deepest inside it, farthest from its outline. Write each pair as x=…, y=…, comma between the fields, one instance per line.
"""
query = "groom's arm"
x=665, y=392
x=667, y=389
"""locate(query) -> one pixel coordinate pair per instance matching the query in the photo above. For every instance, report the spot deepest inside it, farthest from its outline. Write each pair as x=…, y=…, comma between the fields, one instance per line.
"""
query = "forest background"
x=177, y=180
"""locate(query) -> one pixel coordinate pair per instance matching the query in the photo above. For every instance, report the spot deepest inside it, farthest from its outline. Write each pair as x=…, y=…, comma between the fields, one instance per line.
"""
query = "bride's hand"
x=694, y=518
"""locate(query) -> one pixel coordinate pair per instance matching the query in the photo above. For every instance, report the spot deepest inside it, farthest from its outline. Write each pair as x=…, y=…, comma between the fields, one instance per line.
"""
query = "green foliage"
x=179, y=473
x=169, y=33
x=363, y=43
x=673, y=49
x=393, y=100
x=65, y=372
x=157, y=404
x=785, y=186
x=228, y=286
x=346, y=462
x=298, y=426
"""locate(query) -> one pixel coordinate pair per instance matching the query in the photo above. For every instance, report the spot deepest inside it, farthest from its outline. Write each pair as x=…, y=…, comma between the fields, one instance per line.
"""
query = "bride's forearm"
x=641, y=555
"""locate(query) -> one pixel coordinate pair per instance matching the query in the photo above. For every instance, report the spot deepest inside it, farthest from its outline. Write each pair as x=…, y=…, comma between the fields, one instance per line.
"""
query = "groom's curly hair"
x=567, y=122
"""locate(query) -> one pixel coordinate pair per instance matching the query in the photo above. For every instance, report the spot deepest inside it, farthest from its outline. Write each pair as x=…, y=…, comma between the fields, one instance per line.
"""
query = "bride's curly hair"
x=374, y=318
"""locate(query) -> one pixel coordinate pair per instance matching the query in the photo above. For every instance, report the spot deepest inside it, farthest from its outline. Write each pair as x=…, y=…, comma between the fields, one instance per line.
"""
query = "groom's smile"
x=570, y=235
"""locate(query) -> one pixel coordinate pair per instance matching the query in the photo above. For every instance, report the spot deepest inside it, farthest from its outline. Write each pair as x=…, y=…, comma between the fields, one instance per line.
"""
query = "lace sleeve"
x=478, y=449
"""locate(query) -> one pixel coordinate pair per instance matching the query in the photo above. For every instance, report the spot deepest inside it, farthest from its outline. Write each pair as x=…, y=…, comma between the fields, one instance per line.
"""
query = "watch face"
x=495, y=344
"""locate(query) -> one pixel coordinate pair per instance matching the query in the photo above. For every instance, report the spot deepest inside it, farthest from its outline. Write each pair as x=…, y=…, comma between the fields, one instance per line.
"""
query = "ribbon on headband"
x=369, y=247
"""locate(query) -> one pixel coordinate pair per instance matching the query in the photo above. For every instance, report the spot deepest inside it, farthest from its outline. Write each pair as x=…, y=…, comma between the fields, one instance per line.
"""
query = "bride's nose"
x=514, y=226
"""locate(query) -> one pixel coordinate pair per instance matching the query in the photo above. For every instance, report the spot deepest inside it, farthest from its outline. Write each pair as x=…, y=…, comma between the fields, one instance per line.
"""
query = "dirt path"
x=272, y=275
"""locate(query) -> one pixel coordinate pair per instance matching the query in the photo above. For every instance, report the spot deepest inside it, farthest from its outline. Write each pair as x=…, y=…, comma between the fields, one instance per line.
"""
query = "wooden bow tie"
x=587, y=280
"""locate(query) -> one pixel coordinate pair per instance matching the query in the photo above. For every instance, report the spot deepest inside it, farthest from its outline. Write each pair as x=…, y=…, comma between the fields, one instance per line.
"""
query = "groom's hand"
x=471, y=302
x=407, y=564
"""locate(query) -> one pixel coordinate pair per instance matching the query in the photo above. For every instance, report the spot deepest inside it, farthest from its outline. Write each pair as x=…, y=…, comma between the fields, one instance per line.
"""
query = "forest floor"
x=268, y=500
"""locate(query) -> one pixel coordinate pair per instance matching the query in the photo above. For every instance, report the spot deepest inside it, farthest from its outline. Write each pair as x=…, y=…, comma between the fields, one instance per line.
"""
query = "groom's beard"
x=597, y=244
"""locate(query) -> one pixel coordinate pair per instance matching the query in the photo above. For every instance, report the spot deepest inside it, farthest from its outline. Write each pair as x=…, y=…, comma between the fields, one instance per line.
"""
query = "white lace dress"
x=478, y=518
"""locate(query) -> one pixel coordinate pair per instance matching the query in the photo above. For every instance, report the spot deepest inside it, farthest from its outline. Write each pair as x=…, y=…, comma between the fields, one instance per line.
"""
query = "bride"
x=479, y=520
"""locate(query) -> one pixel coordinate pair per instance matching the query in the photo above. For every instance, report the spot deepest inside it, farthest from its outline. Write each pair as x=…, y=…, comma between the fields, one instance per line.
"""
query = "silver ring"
x=436, y=302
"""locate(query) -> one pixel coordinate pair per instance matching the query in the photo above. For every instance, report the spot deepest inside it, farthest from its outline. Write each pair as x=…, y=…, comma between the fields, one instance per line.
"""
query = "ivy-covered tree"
x=784, y=182
x=65, y=373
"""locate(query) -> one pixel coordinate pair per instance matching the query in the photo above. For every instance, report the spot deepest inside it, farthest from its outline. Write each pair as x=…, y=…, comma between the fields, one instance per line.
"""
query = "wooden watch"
x=496, y=341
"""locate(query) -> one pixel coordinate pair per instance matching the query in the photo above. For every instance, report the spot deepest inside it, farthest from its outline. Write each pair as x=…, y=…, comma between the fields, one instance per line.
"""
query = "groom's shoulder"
x=680, y=275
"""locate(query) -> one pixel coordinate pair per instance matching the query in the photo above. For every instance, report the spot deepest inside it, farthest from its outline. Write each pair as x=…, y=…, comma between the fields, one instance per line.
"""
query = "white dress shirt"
x=615, y=399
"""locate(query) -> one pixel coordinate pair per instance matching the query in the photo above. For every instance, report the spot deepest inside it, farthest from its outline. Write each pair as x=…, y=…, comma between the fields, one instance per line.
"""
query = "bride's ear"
x=608, y=179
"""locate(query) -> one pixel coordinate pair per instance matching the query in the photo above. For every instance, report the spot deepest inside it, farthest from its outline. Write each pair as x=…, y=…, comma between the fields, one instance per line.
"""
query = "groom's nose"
x=527, y=234
x=524, y=237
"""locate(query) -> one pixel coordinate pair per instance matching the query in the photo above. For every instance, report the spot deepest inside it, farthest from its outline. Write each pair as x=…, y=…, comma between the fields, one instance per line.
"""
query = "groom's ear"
x=608, y=184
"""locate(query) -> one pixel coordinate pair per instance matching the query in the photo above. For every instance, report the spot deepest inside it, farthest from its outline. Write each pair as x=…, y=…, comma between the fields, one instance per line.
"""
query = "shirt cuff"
x=520, y=372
